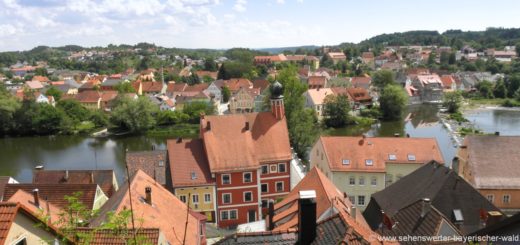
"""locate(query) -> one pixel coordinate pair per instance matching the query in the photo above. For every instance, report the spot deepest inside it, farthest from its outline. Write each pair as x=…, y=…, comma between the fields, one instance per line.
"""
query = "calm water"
x=18, y=156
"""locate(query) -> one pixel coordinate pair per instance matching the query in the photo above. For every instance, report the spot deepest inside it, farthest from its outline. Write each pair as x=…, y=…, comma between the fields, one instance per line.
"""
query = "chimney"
x=493, y=217
x=148, y=198
x=39, y=167
x=353, y=211
x=426, y=206
x=66, y=177
x=179, y=140
x=36, y=196
x=497, y=133
x=307, y=217
x=208, y=126
x=271, y=214
x=92, y=177
x=247, y=126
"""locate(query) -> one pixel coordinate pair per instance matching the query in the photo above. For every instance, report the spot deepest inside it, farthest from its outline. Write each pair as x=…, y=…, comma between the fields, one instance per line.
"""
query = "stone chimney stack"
x=36, y=195
x=306, y=217
x=426, y=206
x=148, y=198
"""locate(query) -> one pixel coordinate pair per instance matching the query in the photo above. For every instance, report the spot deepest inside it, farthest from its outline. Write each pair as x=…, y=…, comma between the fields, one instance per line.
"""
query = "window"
x=506, y=198
x=161, y=163
x=361, y=180
x=361, y=200
x=369, y=162
x=352, y=199
x=389, y=178
x=224, y=215
x=195, y=198
x=183, y=198
x=22, y=241
x=207, y=198
x=248, y=196
x=226, y=198
x=265, y=169
x=279, y=186
x=346, y=162
x=411, y=157
x=373, y=181
x=281, y=167
x=274, y=168
x=248, y=177
x=226, y=179
x=392, y=157
x=233, y=214
x=491, y=198
x=352, y=180
x=264, y=188
x=193, y=175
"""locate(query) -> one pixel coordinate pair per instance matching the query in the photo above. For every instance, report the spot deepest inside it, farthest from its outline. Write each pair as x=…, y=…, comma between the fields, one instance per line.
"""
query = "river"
x=19, y=156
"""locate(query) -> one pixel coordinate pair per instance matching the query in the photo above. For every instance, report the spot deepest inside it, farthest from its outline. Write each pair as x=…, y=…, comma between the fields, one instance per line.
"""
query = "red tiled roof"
x=46, y=208
x=88, y=96
x=261, y=84
x=55, y=193
x=152, y=163
x=447, y=80
x=212, y=74
x=361, y=81
x=317, y=81
x=167, y=212
x=152, y=86
x=176, y=87
x=95, y=236
x=235, y=84
x=40, y=79
x=188, y=158
x=359, y=94
x=109, y=95
x=357, y=150
x=104, y=178
x=230, y=147
x=197, y=88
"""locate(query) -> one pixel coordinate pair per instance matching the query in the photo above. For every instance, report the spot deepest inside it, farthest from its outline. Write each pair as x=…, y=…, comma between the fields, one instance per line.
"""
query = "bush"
x=458, y=117
x=511, y=103
x=371, y=113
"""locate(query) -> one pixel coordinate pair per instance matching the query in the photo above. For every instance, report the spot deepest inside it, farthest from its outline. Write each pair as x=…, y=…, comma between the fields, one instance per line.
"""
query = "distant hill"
x=282, y=49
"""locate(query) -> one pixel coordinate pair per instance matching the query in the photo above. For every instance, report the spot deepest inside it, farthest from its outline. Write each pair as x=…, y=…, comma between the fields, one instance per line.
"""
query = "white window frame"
x=193, y=198
x=345, y=162
x=284, y=167
x=275, y=168
x=276, y=186
x=205, y=199
x=182, y=197
x=222, y=179
x=236, y=214
x=244, y=196
x=392, y=157
x=508, y=199
x=222, y=216
x=352, y=178
x=369, y=162
x=411, y=157
x=267, y=186
x=230, y=198
x=372, y=179
x=361, y=180
x=250, y=177
x=266, y=167
x=491, y=198
x=364, y=200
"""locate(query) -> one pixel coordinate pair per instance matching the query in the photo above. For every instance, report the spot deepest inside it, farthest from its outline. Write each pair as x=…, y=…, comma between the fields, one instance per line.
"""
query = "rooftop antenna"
x=130, y=196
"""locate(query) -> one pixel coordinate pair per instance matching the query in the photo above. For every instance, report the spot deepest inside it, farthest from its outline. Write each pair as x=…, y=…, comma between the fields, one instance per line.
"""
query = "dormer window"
x=193, y=175
x=392, y=157
x=411, y=157
x=161, y=163
x=346, y=162
x=369, y=162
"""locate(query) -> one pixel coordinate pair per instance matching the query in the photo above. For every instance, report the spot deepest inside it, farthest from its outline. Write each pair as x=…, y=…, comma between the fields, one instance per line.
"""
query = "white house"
x=314, y=99
x=42, y=98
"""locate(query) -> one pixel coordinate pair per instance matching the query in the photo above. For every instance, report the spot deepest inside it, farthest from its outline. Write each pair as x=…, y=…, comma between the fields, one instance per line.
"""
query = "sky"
x=222, y=24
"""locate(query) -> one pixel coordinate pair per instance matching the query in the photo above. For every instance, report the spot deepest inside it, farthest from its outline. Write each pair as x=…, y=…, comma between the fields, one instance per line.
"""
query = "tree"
x=50, y=120
x=135, y=116
x=125, y=87
x=74, y=110
x=54, y=92
x=172, y=117
x=431, y=59
x=516, y=95
x=222, y=73
x=444, y=58
x=194, y=109
x=485, y=89
x=336, y=110
x=500, y=90
x=512, y=83
x=8, y=107
x=517, y=48
x=383, y=78
x=210, y=65
x=393, y=101
x=41, y=72
x=452, y=59
x=452, y=101
x=303, y=130
x=226, y=94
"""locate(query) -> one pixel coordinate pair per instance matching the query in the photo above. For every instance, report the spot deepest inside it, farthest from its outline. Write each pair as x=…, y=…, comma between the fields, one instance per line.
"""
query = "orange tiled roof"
x=235, y=84
x=46, y=208
x=230, y=147
x=358, y=94
x=108, y=95
x=187, y=159
x=447, y=80
x=104, y=178
x=357, y=150
x=94, y=236
x=318, y=95
x=176, y=87
x=40, y=79
x=152, y=86
x=89, y=96
x=212, y=74
x=167, y=212
x=317, y=81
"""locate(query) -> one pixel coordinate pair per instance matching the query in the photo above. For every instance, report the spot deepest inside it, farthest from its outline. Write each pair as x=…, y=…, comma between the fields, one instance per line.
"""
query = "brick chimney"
x=306, y=217
x=36, y=196
x=148, y=198
x=271, y=214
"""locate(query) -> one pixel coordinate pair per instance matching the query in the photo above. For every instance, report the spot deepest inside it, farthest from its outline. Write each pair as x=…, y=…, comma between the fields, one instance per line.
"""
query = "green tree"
x=517, y=48
x=226, y=94
x=336, y=111
x=50, y=120
x=512, y=83
x=445, y=58
x=222, y=73
x=210, y=65
x=54, y=92
x=135, y=116
x=383, y=78
x=452, y=101
x=516, y=95
x=500, y=90
x=303, y=130
x=452, y=59
x=125, y=87
x=172, y=117
x=431, y=59
x=41, y=72
x=194, y=109
x=393, y=101
x=74, y=110
x=99, y=118
x=485, y=89
x=8, y=107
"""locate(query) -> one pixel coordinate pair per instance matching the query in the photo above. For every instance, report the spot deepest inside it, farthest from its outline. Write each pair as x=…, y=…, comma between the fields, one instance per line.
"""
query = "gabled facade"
x=243, y=101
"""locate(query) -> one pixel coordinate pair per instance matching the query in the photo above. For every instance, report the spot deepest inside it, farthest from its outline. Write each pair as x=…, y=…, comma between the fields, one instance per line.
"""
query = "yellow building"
x=361, y=166
x=243, y=100
x=191, y=178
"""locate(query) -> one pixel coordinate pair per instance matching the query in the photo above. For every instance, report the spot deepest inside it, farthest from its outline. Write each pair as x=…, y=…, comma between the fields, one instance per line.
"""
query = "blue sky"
x=25, y=24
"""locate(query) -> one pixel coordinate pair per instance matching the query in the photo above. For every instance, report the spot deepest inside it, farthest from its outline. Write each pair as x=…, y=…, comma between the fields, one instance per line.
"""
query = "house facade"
x=361, y=166
x=243, y=101
x=429, y=87
x=314, y=99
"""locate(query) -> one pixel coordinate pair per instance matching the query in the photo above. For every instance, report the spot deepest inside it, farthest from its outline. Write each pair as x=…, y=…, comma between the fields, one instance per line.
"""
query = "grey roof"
x=445, y=188
x=111, y=82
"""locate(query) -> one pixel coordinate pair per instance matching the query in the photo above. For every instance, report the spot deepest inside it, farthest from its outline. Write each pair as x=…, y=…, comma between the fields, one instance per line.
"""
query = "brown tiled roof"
x=447, y=80
x=339, y=91
x=4, y=180
x=188, y=157
x=40, y=78
x=94, y=236
x=359, y=94
x=367, y=55
x=493, y=161
x=88, y=96
x=212, y=74
x=152, y=86
x=445, y=188
x=46, y=208
x=295, y=57
x=361, y=81
x=167, y=212
x=109, y=95
x=152, y=163
x=377, y=149
x=261, y=84
x=230, y=147
x=197, y=87
x=55, y=193
x=408, y=222
x=286, y=211
x=176, y=87
x=235, y=84
x=317, y=81
x=104, y=178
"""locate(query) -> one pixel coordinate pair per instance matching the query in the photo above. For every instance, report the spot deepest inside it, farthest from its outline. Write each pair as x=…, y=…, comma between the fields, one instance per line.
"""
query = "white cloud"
x=280, y=1
x=7, y=30
x=240, y=5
